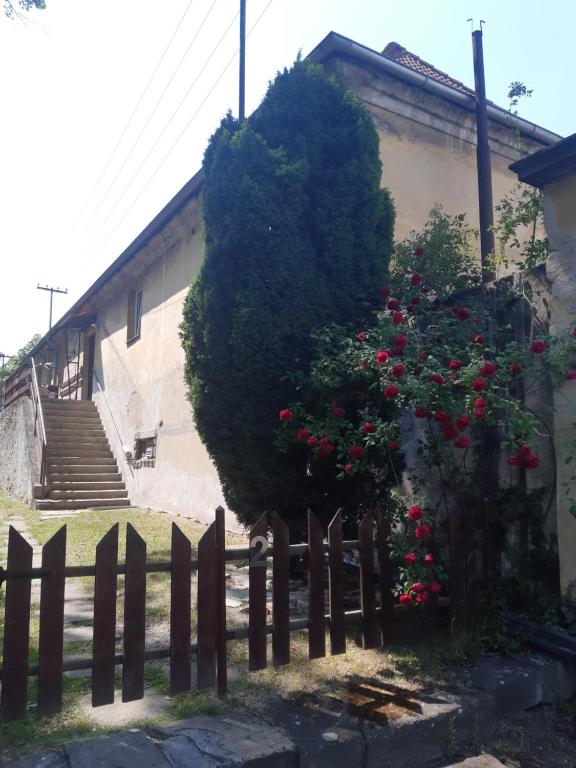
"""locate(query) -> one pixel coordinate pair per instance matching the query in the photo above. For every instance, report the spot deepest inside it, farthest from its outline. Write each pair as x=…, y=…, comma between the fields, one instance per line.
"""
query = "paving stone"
x=513, y=683
x=152, y=707
x=122, y=750
x=237, y=738
x=45, y=760
x=326, y=736
x=481, y=761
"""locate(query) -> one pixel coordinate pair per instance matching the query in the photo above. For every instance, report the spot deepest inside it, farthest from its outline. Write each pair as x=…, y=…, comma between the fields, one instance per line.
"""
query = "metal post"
x=483, y=159
x=52, y=292
x=242, y=89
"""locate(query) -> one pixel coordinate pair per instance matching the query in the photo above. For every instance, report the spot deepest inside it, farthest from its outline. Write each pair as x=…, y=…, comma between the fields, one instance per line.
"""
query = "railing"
x=39, y=427
x=17, y=384
x=376, y=614
x=73, y=384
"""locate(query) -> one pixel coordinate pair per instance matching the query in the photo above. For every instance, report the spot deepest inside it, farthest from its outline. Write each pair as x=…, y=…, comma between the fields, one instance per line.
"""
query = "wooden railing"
x=39, y=427
x=72, y=385
x=17, y=384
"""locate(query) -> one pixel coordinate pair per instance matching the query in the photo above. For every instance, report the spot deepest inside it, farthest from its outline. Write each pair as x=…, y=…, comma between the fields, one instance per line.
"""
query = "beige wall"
x=140, y=385
x=560, y=219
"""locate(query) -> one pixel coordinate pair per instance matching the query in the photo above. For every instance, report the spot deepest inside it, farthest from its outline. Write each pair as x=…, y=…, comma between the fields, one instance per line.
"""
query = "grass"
x=410, y=667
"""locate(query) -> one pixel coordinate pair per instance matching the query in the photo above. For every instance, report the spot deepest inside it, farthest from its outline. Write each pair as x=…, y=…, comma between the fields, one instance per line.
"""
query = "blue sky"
x=74, y=73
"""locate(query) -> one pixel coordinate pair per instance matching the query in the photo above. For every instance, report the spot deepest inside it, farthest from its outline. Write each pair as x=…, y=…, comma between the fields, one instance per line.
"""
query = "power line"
x=181, y=134
x=151, y=115
x=168, y=123
x=140, y=100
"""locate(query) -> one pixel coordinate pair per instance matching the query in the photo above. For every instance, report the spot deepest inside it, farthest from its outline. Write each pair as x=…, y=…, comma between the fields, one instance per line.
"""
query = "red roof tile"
x=400, y=55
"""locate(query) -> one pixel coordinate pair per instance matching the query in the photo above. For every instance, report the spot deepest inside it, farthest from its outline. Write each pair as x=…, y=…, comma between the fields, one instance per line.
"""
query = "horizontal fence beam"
x=80, y=663
x=76, y=571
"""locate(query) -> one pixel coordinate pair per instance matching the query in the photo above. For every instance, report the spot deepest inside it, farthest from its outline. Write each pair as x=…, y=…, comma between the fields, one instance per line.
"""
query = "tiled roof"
x=399, y=54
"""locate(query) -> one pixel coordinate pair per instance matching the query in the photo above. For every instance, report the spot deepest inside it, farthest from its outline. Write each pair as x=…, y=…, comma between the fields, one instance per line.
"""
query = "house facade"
x=554, y=171
x=119, y=344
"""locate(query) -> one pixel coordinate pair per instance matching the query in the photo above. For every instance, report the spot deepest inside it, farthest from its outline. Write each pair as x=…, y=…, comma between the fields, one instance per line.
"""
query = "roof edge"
x=549, y=164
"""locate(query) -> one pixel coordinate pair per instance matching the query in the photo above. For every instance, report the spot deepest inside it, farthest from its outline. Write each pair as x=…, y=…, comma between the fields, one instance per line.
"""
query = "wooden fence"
x=17, y=385
x=375, y=614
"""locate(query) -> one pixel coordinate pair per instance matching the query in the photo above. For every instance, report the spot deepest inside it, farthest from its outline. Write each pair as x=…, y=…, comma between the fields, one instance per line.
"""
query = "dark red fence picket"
x=324, y=561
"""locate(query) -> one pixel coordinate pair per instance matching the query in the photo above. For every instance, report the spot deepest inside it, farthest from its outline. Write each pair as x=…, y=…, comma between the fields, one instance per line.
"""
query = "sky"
x=107, y=108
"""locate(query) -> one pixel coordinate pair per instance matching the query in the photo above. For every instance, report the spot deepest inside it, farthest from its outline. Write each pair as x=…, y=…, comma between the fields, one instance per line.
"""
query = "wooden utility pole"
x=52, y=292
x=242, y=89
x=483, y=159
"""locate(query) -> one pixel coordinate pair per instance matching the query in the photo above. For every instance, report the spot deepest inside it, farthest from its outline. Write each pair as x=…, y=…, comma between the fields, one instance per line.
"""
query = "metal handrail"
x=39, y=417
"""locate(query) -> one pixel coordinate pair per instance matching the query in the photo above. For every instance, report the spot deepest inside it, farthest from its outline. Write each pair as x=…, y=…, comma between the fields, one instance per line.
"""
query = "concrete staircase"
x=82, y=471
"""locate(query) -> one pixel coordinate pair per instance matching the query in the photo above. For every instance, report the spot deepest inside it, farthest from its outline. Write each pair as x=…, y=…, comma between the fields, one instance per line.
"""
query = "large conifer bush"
x=298, y=235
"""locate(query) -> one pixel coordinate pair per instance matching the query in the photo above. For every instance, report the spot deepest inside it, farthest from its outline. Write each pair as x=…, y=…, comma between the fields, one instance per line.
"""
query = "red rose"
x=397, y=318
x=361, y=336
x=303, y=435
x=393, y=445
x=419, y=251
x=449, y=431
x=312, y=442
x=391, y=391
x=400, y=340
x=538, y=346
x=356, y=451
x=348, y=468
x=393, y=304
x=422, y=357
x=421, y=413
x=571, y=375
x=405, y=600
x=441, y=417
x=286, y=414
x=436, y=378
x=422, y=597
x=532, y=462
x=435, y=587
x=488, y=370
x=398, y=352
x=415, y=513
x=410, y=558
x=478, y=413
x=384, y=293
x=415, y=300
x=515, y=368
x=462, y=422
x=454, y=365
x=381, y=357
x=415, y=279
x=478, y=385
x=418, y=587
x=398, y=370
x=369, y=427
x=478, y=339
x=462, y=313
x=480, y=402
x=337, y=412
x=429, y=559
x=326, y=447
x=422, y=531
x=463, y=442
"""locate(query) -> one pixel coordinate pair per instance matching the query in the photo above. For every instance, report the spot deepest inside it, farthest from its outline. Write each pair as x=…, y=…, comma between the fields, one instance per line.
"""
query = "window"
x=134, y=315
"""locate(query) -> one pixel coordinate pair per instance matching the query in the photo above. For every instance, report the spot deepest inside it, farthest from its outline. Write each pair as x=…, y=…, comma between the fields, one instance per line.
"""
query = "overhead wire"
x=183, y=131
x=169, y=121
x=151, y=115
x=134, y=111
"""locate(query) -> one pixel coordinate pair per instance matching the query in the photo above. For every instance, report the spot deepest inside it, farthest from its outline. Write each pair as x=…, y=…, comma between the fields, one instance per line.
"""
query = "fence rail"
x=17, y=385
x=212, y=635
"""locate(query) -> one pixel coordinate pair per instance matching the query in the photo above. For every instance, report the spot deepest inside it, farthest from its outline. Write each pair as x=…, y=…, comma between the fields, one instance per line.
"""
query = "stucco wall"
x=428, y=148
x=140, y=387
x=560, y=220
x=19, y=459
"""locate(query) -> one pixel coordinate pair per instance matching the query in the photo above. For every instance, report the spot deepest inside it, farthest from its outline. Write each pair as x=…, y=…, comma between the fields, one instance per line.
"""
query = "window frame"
x=134, y=315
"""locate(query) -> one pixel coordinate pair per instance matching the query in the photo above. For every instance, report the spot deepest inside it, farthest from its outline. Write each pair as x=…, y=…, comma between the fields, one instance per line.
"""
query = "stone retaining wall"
x=19, y=452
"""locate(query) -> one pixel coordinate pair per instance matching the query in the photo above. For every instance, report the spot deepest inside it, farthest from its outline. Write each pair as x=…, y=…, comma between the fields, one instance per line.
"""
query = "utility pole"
x=52, y=292
x=485, y=203
x=242, y=89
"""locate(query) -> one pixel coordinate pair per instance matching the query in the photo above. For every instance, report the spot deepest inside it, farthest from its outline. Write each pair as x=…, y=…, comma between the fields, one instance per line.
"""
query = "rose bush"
x=451, y=370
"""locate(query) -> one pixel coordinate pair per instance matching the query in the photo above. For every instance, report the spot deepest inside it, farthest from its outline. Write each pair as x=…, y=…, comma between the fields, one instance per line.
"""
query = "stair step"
x=97, y=443
x=93, y=484
x=57, y=462
x=57, y=405
x=98, y=475
x=71, y=418
x=78, y=449
x=114, y=493
x=47, y=504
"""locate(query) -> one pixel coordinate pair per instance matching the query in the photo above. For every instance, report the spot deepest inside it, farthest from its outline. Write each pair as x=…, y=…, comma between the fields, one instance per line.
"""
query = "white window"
x=134, y=315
